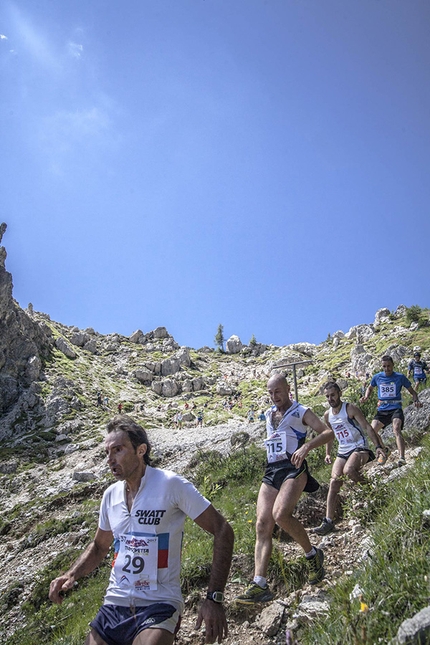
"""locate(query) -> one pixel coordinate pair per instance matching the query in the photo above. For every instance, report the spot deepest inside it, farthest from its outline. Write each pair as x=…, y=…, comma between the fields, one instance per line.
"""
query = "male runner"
x=285, y=479
x=389, y=384
x=144, y=513
x=348, y=424
x=418, y=368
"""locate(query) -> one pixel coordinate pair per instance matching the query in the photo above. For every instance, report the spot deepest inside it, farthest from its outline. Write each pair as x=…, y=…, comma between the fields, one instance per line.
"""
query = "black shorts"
x=118, y=625
x=386, y=417
x=351, y=452
x=279, y=471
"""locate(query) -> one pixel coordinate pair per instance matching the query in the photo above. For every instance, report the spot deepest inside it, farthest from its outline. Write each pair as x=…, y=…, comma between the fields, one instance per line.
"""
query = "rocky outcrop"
x=23, y=342
x=382, y=315
x=233, y=345
x=65, y=348
x=415, y=629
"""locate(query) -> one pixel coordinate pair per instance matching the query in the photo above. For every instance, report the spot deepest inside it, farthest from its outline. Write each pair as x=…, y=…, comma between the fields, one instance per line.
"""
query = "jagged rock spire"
x=3, y=228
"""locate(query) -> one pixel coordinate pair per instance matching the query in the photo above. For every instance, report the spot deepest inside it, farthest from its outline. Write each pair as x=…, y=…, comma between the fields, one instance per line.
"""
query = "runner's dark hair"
x=330, y=384
x=136, y=434
x=387, y=358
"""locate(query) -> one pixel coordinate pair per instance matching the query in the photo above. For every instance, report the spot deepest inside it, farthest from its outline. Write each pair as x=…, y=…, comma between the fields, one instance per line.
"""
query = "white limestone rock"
x=233, y=345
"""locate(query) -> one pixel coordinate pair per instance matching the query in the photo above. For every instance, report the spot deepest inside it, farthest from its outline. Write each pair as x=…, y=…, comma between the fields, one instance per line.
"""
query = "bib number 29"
x=137, y=563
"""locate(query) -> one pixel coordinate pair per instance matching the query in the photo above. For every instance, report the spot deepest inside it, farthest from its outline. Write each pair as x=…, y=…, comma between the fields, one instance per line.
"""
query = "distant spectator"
x=251, y=416
x=99, y=399
x=199, y=419
x=106, y=401
x=119, y=408
x=262, y=416
x=179, y=419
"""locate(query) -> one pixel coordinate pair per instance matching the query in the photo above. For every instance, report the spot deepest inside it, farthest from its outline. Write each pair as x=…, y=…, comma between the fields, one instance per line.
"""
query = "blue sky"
x=263, y=164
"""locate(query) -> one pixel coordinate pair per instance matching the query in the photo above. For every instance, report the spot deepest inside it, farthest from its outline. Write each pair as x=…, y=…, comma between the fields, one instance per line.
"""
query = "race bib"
x=276, y=447
x=418, y=371
x=135, y=565
x=341, y=432
x=387, y=391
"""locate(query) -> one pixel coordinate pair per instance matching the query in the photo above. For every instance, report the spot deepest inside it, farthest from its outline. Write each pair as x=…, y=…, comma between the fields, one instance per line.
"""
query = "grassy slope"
x=391, y=581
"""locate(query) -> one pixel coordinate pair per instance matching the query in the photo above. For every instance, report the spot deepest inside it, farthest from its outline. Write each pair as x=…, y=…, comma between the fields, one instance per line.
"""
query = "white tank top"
x=347, y=431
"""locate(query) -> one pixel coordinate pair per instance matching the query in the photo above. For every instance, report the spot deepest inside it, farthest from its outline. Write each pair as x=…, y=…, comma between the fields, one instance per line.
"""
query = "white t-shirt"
x=148, y=539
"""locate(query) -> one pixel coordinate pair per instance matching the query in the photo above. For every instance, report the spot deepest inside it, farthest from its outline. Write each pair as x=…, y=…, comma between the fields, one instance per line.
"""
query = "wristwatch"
x=216, y=596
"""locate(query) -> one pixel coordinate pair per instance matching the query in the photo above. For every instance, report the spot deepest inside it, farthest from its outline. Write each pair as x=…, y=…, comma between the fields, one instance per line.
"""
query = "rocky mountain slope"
x=59, y=385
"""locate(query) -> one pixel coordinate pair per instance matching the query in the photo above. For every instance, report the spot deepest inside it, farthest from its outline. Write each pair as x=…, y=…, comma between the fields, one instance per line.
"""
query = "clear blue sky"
x=263, y=164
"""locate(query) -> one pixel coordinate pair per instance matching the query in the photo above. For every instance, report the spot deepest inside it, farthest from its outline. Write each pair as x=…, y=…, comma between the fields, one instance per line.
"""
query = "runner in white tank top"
x=347, y=431
x=349, y=426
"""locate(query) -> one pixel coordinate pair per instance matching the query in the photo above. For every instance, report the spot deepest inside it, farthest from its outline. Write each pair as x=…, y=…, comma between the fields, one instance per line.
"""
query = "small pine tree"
x=413, y=314
x=253, y=341
x=219, y=338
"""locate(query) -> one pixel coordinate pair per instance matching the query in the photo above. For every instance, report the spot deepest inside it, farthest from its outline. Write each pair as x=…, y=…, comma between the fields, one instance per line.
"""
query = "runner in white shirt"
x=285, y=479
x=349, y=425
x=144, y=514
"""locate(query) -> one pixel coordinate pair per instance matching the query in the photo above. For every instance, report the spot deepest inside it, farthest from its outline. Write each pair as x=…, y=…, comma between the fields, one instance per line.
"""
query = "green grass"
x=51, y=624
x=394, y=581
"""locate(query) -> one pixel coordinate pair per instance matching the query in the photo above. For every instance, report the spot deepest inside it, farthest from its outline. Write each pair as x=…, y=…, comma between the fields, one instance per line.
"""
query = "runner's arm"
x=367, y=394
x=414, y=395
x=355, y=413
x=87, y=562
x=210, y=612
x=324, y=434
x=329, y=444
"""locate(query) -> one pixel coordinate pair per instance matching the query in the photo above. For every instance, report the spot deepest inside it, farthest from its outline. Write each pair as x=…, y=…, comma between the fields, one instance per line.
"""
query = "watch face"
x=216, y=596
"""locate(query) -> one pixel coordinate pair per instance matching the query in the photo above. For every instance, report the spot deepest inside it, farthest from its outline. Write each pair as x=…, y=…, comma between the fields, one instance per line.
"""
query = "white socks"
x=260, y=581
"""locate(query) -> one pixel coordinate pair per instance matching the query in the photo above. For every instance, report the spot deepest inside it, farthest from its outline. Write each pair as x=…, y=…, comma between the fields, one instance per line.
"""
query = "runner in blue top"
x=389, y=384
x=418, y=368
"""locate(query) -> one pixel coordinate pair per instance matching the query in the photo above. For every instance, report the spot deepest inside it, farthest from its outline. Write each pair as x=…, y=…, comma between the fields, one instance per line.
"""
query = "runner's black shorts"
x=351, y=452
x=118, y=625
x=279, y=471
x=386, y=417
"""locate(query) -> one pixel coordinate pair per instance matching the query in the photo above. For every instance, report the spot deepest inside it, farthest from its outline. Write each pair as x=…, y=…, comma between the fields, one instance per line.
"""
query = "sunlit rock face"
x=23, y=342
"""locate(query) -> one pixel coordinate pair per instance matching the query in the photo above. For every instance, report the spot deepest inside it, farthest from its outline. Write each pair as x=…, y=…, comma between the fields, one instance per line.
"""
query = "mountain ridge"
x=59, y=385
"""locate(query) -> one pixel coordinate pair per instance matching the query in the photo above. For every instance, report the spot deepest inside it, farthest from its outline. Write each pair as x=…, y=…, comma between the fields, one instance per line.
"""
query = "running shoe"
x=383, y=458
x=315, y=566
x=401, y=462
x=254, y=594
x=324, y=528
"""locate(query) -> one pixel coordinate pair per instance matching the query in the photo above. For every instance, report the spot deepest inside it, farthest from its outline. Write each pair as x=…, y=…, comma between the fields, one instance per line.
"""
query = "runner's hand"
x=298, y=457
x=59, y=586
x=327, y=459
x=213, y=615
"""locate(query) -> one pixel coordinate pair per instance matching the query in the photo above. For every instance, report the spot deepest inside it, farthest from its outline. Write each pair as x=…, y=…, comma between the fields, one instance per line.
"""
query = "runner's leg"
x=400, y=442
x=377, y=426
x=154, y=637
x=264, y=528
x=354, y=465
x=283, y=510
x=94, y=638
x=335, y=486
